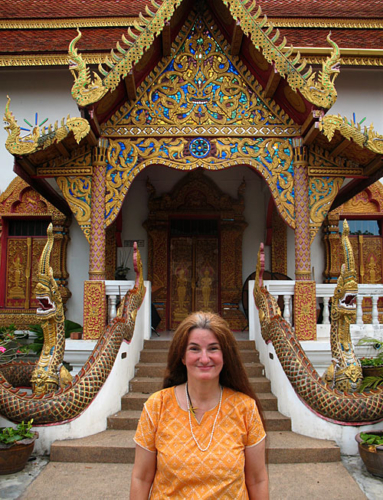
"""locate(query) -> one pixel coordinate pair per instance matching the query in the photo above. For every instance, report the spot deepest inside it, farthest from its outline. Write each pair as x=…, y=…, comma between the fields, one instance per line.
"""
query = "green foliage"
x=70, y=327
x=371, y=438
x=371, y=382
x=378, y=346
x=121, y=272
x=11, y=346
x=9, y=435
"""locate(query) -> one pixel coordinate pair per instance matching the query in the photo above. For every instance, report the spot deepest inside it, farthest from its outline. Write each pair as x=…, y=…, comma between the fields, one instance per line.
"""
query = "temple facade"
x=199, y=130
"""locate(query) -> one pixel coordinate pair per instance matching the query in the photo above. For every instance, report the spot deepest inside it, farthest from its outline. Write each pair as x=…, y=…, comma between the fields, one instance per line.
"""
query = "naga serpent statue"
x=68, y=402
x=345, y=371
x=49, y=373
x=356, y=408
x=40, y=139
x=322, y=92
x=84, y=90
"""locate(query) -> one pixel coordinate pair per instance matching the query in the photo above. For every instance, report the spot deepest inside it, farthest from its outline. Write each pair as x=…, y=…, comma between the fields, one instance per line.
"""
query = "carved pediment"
x=196, y=193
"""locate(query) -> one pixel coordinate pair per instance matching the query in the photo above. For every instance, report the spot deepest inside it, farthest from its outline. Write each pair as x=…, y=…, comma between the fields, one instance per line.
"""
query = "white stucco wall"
x=78, y=268
x=360, y=91
x=42, y=91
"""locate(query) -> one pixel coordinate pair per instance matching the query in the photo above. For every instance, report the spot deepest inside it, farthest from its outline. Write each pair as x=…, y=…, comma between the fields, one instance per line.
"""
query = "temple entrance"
x=194, y=270
x=195, y=250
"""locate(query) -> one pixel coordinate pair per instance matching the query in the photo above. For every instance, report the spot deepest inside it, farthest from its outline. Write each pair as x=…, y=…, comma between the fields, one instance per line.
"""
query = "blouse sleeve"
x=147, y=426
x=256, y=432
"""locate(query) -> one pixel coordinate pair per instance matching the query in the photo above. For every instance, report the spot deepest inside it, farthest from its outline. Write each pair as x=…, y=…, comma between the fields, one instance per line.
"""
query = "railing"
x=324, y=292
x=115, y=290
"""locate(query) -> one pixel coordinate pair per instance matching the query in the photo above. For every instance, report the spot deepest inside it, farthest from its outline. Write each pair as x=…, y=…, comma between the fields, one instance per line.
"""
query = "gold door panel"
x=194, y=277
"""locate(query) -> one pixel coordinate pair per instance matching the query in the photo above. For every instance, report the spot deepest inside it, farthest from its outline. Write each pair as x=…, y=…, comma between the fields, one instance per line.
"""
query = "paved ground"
x=43, y=480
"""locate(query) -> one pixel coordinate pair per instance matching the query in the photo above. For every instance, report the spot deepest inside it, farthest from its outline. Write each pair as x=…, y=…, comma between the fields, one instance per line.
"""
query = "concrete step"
x=117, y=446
x=136, y=400
x=165, y=344
x=148, y=385
x=109, y=481
x=150, y=369
x=161, y=356
x=158, y=369
x=128, y=420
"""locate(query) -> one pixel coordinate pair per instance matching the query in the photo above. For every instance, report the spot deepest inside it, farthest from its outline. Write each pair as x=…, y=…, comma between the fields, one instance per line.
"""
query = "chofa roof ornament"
x=319, y=90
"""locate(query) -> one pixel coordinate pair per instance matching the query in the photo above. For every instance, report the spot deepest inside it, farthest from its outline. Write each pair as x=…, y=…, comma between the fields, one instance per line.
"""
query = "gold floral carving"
x=272, y=158
x=94, y=309
x=77, y=192
x=202, y=90
x=323, y=191
x=359, y=204
x=305, y=310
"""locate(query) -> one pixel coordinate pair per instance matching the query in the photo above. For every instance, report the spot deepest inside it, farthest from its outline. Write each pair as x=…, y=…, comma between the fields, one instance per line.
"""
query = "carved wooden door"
x=194, y=277
x=23, y=255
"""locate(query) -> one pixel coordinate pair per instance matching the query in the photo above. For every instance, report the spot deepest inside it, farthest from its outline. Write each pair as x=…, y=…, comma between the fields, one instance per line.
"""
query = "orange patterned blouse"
x=183, y=471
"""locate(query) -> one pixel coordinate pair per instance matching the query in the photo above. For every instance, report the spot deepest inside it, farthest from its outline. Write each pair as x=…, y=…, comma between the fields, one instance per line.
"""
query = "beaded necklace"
x=191, y=409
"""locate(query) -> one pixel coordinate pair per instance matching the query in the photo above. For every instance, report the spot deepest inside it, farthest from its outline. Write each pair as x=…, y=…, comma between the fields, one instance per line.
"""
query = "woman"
x=201, y=437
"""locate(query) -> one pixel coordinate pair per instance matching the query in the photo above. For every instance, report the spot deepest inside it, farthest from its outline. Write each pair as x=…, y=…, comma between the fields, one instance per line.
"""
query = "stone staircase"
x=116, y=445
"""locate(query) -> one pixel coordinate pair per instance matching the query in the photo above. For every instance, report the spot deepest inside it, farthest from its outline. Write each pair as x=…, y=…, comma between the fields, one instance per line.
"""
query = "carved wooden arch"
x=272, y=158
x=21, y=201
x=196, y=195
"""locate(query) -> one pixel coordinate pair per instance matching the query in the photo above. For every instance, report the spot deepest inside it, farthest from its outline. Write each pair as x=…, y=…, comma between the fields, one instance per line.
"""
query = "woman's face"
x=203, y=356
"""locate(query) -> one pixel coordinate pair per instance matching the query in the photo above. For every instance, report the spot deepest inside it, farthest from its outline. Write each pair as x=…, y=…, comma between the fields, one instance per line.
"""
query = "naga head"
x=347, y=286
x=76, y=62
x=8, y=119
x=332, y=64
x=47, y=291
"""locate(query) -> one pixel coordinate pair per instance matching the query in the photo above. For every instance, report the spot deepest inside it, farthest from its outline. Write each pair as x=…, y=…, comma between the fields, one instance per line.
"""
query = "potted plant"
x=16, y=446
x=372, y=366
x=370, y=446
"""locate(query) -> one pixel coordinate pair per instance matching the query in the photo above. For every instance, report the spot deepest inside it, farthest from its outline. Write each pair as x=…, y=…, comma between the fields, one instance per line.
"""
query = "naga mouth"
x=348, y=301
x=46, y=305
x=336, y=67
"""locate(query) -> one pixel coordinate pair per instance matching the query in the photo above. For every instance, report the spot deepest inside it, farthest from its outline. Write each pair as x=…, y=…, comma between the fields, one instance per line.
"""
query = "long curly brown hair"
x=233, y=374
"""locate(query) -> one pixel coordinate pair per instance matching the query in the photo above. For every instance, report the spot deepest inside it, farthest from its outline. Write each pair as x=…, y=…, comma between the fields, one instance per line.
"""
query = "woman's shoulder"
x=157, y=399
x=238, y=399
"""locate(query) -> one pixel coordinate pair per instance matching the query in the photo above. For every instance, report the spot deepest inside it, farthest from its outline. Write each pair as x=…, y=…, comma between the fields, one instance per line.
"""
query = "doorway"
x=194, y=274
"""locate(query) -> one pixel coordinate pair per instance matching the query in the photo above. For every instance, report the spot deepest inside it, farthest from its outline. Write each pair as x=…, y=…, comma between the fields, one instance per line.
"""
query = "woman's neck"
x=204, y=392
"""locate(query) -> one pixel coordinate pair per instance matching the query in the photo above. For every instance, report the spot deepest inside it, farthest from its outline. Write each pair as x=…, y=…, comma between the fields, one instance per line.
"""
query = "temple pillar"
x=97, y=240
x=305, y=291
x=94, y=289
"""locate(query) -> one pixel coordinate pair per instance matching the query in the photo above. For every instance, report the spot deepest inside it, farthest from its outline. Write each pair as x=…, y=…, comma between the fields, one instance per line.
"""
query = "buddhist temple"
x=197, y=129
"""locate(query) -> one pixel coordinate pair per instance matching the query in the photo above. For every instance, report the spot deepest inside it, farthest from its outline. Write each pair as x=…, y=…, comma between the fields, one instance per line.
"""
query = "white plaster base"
x=303, y=420
x=108, y=400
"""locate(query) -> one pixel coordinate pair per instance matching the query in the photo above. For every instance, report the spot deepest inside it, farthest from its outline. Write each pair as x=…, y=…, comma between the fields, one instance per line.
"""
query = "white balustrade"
x=284, y=288
x=116, y=290
x=324, y=292
x=374, y=291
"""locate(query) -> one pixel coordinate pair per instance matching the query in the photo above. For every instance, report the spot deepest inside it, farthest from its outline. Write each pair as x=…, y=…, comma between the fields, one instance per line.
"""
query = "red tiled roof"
x=344, y=38
x=322, y=8
x=51, y=41
x=55, y=9
x=104, y=39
